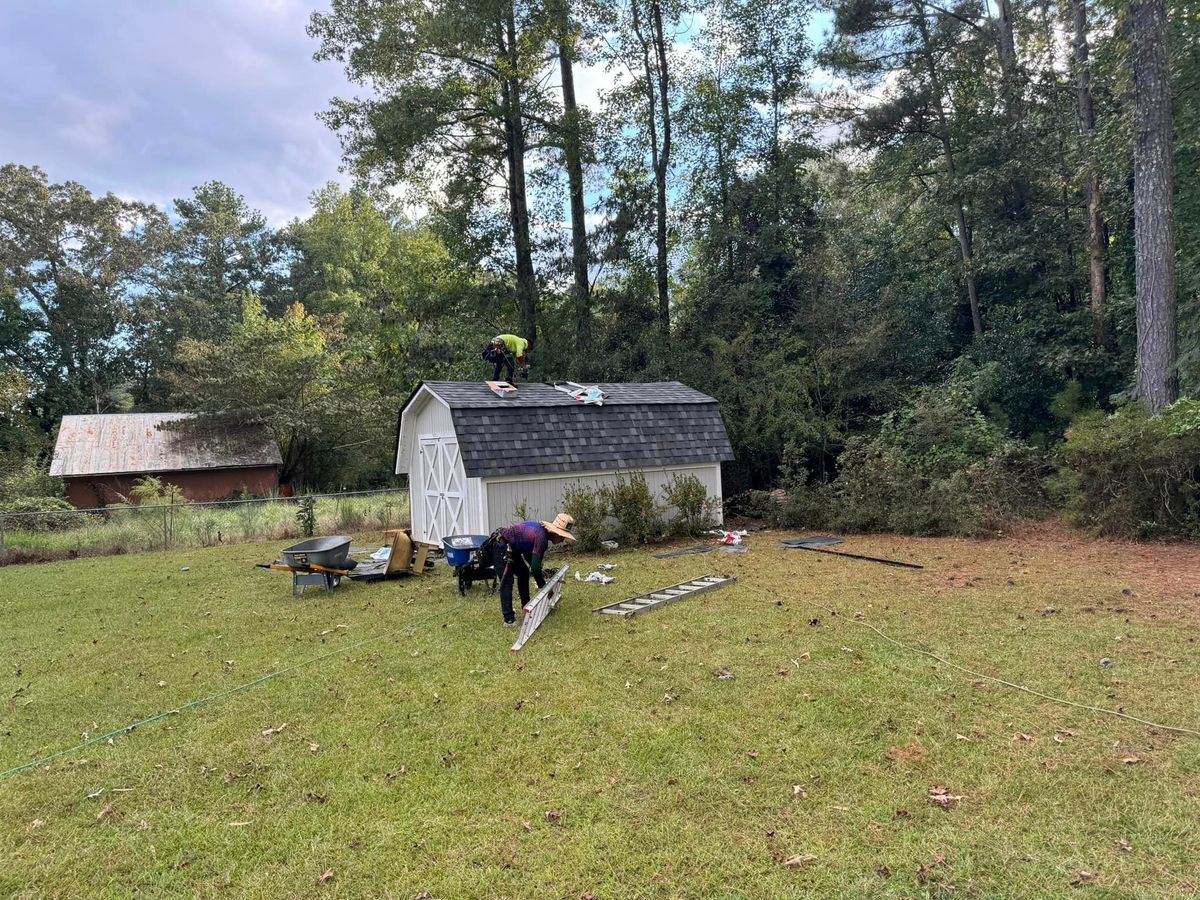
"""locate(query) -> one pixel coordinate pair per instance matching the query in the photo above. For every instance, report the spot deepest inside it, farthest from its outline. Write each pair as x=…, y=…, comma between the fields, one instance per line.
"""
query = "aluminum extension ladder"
x=539, y=607
x=653, y=600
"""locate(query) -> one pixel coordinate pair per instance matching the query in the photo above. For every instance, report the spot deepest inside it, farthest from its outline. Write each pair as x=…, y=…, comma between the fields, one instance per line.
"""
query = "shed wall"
x=431, y=418
x=542, y=494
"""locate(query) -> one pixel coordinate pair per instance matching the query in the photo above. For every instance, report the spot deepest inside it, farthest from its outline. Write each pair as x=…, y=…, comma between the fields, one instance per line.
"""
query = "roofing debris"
x=137, y=443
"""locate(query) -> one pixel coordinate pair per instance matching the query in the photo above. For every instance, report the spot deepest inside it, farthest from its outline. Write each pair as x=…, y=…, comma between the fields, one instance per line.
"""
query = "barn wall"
x=90, y=491
x=542, y=494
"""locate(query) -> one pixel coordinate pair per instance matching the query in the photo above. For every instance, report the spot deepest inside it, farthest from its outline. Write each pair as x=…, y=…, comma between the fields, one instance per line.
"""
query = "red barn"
x=101, y=457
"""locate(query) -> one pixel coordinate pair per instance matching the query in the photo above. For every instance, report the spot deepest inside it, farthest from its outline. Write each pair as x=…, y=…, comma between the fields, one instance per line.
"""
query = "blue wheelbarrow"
x=471, y=557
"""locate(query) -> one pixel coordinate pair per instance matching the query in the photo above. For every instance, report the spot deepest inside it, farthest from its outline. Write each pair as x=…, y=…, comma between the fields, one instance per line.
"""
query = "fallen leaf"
x=723, y=673
x=527, y=826
x=316, y=798
x=926, y=868
x=162, y=684
x=803, y=859
x=553, y=816
x=327, y=875
x=94, y=794
x=1123, y=844
x=587, y=895
x=314, y=747
x=882, y=871
x=1022, y=736
x=269, y=732
x=105, y=812
x=1131, y=760
x=37, y=823
x=962, y=737
x=799, y=791
x=806, y=655
x=143, y=825
x=753, y=754
x=1049, y=611
x=939, y=796
x=1082, y=877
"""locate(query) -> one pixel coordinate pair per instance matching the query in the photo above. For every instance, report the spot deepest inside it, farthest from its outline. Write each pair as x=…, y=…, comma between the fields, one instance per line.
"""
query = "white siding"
x=429, y=416
x=542, y=494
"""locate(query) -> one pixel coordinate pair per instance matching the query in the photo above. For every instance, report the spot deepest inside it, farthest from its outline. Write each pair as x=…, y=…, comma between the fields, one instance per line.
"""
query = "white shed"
x=473, y=459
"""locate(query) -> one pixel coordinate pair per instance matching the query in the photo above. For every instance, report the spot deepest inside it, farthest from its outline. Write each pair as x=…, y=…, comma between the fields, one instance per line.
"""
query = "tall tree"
x=1097, y=231
x=571, y=129
x=1153, y=212
x=76, y=263
x=460, y=101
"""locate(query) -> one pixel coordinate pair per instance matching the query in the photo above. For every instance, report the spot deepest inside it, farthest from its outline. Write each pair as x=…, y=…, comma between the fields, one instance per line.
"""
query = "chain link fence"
x=60, y=534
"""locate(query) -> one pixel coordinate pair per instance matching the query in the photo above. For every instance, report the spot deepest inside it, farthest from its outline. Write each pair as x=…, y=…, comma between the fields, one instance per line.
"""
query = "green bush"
x=694, y=509
x=938, y=466
x=28, y=514
x=1130, y=475
x=28, y=480
x=587, y=506
x=306, y=516
x=630, y=502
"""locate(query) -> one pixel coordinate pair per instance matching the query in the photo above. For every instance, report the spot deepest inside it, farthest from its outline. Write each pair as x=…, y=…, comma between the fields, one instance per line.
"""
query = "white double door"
x=443, y=488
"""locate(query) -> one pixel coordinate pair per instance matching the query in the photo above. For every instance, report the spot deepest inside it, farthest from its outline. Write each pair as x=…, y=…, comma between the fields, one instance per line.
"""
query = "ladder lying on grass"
x=539, y=607
x=627, y=609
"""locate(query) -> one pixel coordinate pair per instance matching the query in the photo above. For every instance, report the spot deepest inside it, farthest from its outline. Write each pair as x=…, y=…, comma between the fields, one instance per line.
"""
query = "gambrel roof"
x=543, y=430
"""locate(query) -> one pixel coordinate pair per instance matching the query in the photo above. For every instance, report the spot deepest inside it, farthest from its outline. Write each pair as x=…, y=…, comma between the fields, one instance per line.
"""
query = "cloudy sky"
x=148, y=98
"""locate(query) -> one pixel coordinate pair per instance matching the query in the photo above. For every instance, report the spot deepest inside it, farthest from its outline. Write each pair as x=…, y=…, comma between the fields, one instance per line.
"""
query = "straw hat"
x=561, y=526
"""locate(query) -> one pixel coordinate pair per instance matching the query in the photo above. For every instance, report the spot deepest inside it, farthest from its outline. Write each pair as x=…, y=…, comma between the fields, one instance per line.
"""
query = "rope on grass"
x=204, y=701
x=1021, y=687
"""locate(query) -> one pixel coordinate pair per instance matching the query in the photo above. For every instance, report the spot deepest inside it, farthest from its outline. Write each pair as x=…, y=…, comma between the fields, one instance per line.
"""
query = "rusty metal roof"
x=134, y=443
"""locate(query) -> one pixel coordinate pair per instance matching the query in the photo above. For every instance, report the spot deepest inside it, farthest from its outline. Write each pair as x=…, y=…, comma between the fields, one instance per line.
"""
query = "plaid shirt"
x=526, y=538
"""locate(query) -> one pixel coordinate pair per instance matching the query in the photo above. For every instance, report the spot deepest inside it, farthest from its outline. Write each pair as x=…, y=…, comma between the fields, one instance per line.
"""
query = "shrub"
x=588, y=508
x=306, y=516
x=28, y=480
x=804, y=506
x=1130, y=475
x=38, y=514
x=694, y=509
x=629, y=501
x=938, y=466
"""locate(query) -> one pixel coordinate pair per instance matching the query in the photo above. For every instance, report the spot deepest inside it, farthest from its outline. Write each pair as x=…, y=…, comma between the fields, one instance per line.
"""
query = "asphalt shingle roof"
x=543, y=430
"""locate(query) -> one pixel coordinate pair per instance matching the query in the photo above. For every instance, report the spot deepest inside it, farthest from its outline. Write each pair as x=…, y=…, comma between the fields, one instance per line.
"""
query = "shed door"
x=442, y=489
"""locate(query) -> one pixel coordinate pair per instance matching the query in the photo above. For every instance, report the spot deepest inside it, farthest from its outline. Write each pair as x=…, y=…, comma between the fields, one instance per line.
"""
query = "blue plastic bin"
x=459, y=547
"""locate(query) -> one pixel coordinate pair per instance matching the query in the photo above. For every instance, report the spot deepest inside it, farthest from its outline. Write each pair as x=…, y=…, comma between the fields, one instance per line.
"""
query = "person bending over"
x=519, y=550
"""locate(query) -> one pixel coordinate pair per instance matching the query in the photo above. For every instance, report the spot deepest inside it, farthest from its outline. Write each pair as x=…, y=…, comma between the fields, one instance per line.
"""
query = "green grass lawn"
x=606, y=758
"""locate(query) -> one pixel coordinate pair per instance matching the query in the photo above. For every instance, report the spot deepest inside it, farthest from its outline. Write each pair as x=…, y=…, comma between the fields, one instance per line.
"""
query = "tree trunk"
x=573, y=159
x=1097, y=230
x=518, y=204
x=1007, y=46
x=1153, y=195
x=966, y=247
x=661, y=169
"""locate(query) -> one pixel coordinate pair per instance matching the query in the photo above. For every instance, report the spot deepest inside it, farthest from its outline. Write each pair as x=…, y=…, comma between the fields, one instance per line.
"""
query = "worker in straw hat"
x=519, y=550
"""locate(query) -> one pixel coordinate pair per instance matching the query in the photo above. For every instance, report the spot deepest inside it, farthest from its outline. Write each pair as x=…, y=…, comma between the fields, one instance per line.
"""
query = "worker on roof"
x=507, y=351
x=518, y=551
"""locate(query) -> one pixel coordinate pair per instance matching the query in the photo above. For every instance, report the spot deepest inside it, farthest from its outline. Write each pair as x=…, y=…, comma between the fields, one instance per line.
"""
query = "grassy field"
x=607, y=759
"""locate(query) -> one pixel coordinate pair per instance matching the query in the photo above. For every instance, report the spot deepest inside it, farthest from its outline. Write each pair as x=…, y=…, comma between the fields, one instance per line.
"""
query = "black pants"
x=504, y=361
x=510, y=568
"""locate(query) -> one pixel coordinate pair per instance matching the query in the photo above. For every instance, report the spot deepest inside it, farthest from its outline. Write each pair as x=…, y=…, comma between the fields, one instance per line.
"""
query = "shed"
x=101, y=457
x=473, y=459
